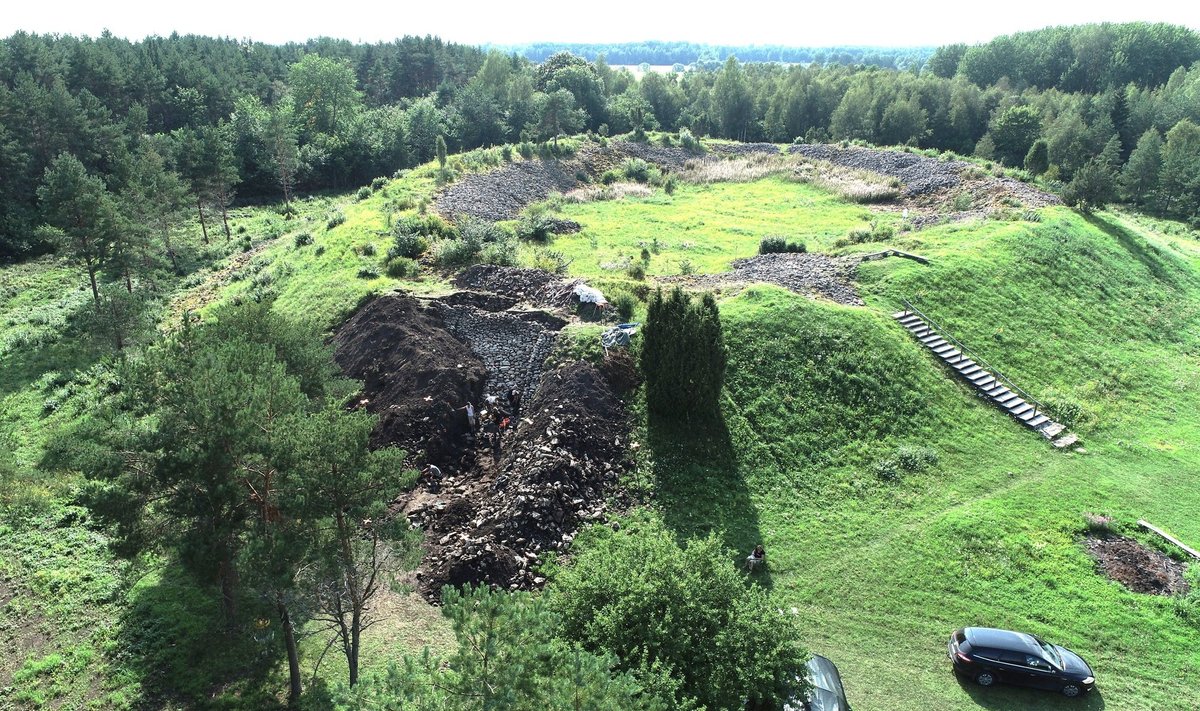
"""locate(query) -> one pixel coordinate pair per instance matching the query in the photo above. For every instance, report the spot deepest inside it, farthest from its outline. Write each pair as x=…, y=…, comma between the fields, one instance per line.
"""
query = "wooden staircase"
x=987, y=380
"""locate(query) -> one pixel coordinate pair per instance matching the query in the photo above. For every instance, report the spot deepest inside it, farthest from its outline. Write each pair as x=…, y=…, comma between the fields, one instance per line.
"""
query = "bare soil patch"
x=1141, y=569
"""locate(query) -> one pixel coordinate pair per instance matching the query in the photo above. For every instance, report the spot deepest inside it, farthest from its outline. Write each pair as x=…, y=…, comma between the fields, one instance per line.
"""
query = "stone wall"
x=512, y=345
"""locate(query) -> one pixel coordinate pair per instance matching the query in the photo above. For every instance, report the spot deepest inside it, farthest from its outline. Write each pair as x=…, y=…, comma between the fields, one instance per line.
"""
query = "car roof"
x=1002, y=639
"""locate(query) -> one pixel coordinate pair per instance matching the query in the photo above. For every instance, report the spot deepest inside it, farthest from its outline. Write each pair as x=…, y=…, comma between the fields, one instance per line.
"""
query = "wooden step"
x=1038, y=421
x=1018, y=408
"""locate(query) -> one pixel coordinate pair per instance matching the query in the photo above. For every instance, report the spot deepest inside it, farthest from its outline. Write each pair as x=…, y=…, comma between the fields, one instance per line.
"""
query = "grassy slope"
x=1102, y=317
x=76, y=634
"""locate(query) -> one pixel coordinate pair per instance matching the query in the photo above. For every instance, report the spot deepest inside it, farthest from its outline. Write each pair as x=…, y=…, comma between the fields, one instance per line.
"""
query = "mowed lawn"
x=707, y=226
x=1093, y=313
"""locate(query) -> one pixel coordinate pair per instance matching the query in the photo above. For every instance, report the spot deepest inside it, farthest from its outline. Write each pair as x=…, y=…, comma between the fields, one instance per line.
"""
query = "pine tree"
x=683, y=355
x=82, y=214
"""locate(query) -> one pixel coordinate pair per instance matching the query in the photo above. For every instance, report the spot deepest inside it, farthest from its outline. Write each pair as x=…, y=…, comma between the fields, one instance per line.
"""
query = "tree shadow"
x=700, y=487
x=1004, y=697
x=1162, y=269
x=171, y=638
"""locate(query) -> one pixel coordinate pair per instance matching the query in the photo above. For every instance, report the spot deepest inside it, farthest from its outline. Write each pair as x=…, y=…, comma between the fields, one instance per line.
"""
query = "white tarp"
x=588, y=295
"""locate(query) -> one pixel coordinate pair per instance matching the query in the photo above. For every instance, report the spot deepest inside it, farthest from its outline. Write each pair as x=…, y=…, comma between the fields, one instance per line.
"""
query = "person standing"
x=514, y=401
x=470, y=408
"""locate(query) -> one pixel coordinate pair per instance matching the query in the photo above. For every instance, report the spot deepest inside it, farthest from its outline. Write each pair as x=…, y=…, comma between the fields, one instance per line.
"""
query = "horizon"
x=775, y=22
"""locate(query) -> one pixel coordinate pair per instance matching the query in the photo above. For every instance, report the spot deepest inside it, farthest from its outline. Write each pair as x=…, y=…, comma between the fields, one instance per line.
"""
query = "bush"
x=408, y=245
x=363, y=193
x=624, y=303
x=402, y=268
x=636, y=271
x=525, y=148
x=904, y=459
x=538, y=227
x=334, y=220
x=378, y=183
x=689, y=142
x=425, y=225
x=609, y=177
x=367, y=250
x=550, y=260
x=683, y=355
x=668, y=184
x=368, y=273
x=303, y=239
x=506, y=152
x=780, y=245
x=502, y=253
x=638, y=170
x=1099, y=524
x=452, y=253
x=679, y=617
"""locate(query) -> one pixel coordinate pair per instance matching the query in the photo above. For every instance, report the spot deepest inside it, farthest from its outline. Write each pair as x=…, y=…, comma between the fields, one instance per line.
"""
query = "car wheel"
x=985, y=678
x=1071, y=691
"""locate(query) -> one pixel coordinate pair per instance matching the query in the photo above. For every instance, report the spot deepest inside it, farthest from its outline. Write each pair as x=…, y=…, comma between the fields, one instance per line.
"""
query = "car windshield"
x=1051, y=653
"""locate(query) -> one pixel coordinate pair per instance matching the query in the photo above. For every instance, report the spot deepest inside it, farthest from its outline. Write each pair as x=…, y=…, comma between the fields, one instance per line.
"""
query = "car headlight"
x=1089, y=680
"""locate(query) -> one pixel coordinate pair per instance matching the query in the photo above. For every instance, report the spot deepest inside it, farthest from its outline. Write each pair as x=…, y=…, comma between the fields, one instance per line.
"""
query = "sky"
x=898, y=23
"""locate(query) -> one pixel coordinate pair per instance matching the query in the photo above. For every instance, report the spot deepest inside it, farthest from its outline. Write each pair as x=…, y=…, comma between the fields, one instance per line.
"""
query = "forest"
x=227, y=121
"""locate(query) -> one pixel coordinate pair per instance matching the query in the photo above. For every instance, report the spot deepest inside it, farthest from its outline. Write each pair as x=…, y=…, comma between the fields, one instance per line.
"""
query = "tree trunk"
x=91, y=270
x=128, y=283
x=229, y=595
x=289, y=638
x=225, y=219
x=170, y=250
x=200, y=209
x=355, y=634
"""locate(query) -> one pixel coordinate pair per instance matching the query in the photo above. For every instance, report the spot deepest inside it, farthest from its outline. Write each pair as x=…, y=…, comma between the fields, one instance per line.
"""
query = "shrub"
x=645, y=255
x=780, y=245
x=525, y=148
x=378, y=183
x=506, y=152
x=402, y=268
x=636, y=271
x=319, y=250
x=408, y=245
x=904, y=459
x=668, y=184
x=368, y=272
x=624, y=303
x=367, y=250
x=537, y=227
x=1099, y=524
x=452, y=253
x=363, y=193
x=961, y=202
x=550, y=260
x=609, y=177
x=683, y=355
x=638, y=170
x=481, y=231
x=686, y=267
x=334, y=220
x=426, y=226
x=302, y=239
x=501, y=253
x=689, y=142
x=679, y=617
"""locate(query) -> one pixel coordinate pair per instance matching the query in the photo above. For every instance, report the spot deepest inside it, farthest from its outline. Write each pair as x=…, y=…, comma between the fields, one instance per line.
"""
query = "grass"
x=1099, y=316
x=707, y=225
x=880, y=572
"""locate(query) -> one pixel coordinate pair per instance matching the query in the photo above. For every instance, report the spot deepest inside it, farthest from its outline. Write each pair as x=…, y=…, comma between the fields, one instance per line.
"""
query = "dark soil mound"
x=414, y=373
x=532, y=286
x=490, y=525
x=1137, y=567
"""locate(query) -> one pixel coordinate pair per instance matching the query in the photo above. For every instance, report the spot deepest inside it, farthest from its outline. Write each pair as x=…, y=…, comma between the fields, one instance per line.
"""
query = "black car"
x=825, y=692
x=989, y=655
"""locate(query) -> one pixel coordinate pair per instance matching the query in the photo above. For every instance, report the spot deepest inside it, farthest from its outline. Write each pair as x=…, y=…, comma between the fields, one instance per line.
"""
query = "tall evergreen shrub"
x=683, y=355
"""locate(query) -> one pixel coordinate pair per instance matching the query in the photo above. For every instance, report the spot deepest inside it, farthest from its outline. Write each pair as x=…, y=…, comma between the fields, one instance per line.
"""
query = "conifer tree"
x=683, y=355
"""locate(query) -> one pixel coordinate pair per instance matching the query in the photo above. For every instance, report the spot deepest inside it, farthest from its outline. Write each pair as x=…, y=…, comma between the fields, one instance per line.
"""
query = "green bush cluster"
x=302, y=239
x=683, y=355
x=336, y=218
x=363, y=193
x=402, y=268
x=780, y=245
x=905, y=459
x=408, y=245
x=624, y=303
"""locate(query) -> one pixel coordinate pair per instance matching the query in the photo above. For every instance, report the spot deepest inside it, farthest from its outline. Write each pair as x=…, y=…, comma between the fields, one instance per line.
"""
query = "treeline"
x=247, y=121
x=1087, y=58
x=711, y=56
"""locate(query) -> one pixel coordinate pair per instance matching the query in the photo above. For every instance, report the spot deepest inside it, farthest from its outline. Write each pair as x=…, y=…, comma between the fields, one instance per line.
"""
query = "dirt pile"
x=502, y=193
x=414, y=373
x=805, y=273
x=531, y=286
x=1137, y=567
x=490, y=525
x=929, y=184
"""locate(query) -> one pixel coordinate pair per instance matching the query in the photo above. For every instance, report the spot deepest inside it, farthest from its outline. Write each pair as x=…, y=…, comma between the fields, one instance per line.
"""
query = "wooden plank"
x=1190, y=551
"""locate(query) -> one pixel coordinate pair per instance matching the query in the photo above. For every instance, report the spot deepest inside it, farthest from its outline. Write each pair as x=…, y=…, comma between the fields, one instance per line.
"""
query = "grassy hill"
x=895, y=505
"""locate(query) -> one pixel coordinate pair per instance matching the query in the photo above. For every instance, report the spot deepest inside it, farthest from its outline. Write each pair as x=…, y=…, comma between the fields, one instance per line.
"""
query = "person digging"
x=757, y=557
